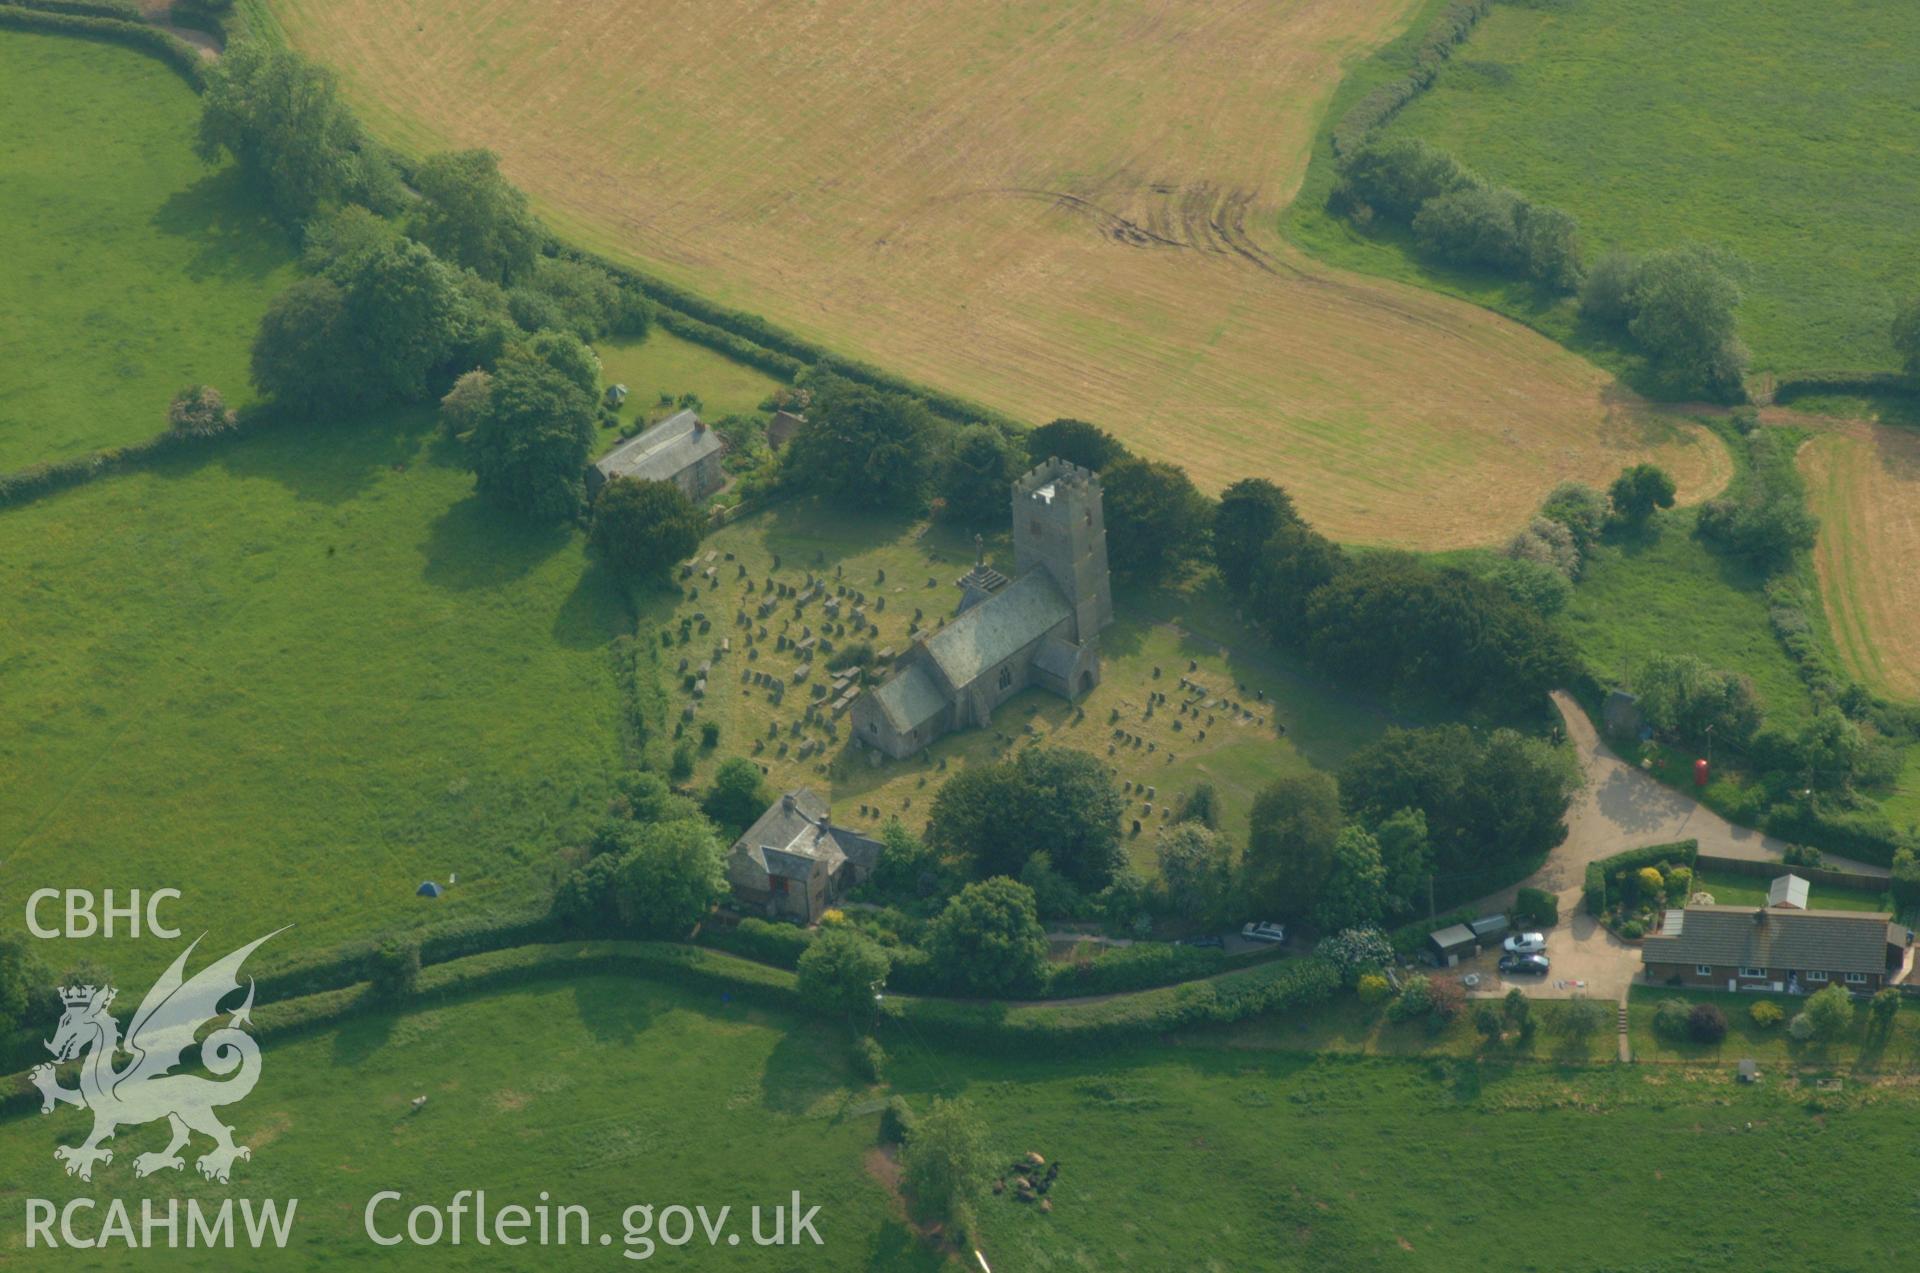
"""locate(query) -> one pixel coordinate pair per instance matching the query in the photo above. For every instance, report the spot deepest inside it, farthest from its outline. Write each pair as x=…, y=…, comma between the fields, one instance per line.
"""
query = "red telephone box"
x=1699, y=773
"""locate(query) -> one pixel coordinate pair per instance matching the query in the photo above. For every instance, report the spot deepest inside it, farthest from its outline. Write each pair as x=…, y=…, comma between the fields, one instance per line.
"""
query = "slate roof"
x=794, y=839
x=910, y=699
x=1451, y=936
x=663, y=452
x=997, y=627
x=1056, y=657
x=1750, y=937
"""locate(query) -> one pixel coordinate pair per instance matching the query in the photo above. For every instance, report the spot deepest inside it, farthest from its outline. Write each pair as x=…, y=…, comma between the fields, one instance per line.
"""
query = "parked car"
x=1525, y=943
x=1210, y=941
x=1265, y=932
x=1536, y=965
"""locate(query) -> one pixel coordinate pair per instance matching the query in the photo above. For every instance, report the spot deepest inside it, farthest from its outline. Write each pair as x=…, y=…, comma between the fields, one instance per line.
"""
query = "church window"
x=1006, y=677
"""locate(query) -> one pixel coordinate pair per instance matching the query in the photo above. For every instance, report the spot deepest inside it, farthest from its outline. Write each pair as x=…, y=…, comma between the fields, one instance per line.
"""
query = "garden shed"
x=1490, y=927
x=1450, y=945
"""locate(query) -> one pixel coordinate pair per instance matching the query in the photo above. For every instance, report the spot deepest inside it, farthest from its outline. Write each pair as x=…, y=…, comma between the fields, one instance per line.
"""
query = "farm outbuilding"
x=1451, y=944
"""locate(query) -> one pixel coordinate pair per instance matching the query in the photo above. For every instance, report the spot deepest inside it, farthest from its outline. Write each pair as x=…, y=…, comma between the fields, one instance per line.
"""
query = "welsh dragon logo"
x=143, y=1090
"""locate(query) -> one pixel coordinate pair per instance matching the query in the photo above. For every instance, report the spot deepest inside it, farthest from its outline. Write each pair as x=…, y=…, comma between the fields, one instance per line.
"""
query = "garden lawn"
x=1786, y=133
x=293, y=681
x=601, y=1092
x=665, y=365
x=131, y=268
x=1729, y=889
x=1300, y=723
x=1859, y=1053
x=1668, y=593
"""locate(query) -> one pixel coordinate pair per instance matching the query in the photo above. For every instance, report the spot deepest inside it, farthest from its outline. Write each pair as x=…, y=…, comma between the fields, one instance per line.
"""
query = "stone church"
x=1042, y=628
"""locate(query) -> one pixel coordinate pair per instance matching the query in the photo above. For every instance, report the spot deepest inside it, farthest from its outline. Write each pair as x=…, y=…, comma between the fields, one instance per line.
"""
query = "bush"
x=1416, y=999
x=1671, y=1020
x=1706, y=1023
x=1536, y=908
x=1766, y=1014
x=1580, y=1018
x=1801, y=1027
x=896, y=1121
x=1830, y=1012
x=1372, y=988
x=1650, y=882
x=870, y=1059
x=200, y=411
x=1356, y=952
x=1633, y=930
x=1486, y=1019
x=777, y=944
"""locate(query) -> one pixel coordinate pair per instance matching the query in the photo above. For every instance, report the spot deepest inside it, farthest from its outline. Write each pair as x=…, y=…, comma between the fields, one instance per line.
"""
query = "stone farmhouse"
x=794, y=863
x=1784, y=946
x=1041, y=629
x=680, y=449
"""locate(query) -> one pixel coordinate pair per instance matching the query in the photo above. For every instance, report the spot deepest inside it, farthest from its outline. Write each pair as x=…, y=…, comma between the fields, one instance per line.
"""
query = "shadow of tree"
x=228, y=223
x=472, y=545
x=329, y=461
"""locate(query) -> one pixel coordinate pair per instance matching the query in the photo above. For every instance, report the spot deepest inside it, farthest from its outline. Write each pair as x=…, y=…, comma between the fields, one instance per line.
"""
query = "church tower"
x=1058, y=527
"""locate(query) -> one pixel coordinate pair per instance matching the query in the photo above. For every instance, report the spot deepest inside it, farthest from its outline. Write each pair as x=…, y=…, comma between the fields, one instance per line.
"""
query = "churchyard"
x=1179, y=703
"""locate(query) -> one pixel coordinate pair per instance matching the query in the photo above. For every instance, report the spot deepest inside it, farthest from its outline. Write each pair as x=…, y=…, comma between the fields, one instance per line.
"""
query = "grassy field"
x=1299, y=722
x=1214, y=1154
x=1784, y=133
x=131, y=268
x=1863, y=480
x=1061, y=208
x=1668, y=593
x=601, y=1092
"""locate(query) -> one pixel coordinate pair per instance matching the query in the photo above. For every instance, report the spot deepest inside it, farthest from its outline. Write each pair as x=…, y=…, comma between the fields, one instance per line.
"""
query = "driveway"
x=1618, y=808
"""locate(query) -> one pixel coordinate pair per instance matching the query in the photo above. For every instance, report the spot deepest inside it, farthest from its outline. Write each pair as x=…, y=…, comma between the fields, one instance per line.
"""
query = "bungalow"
x=680, y=449
x=1781, y=947
x=794, y=863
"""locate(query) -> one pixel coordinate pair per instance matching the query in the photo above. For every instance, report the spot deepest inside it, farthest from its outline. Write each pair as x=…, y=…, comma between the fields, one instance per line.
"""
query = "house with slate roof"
x=1784, y=946
x=680, y=449
x=794, y=863
x=1041, y=629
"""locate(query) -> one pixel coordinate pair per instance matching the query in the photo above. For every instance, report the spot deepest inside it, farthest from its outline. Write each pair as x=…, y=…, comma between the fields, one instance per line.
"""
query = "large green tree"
x=1196, y=865
x=989, y=939
x=1639, y=491
x=1076, y=442
x=841, y=971
x=1290, y=567
x=1244, y=521
x=304, y=357
x=642, y=528
x=469, y=214
x=673, y=875
x=975, y=479
x=1354, y=895
x=1685, y=302
x=530, y=448
x=948, y=1159
x=407, y=317
x=1156, y=520
x=282, y=120
x=1045, y=798
x=1295, y=821
x=738, y=795
x=864, y=447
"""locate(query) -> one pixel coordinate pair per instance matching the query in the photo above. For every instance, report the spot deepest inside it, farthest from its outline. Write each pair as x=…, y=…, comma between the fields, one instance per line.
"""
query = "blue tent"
x=429, y=889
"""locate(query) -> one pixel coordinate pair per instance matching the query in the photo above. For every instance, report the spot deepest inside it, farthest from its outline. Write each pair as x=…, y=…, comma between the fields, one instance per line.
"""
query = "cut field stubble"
x=1064, y=208
x=1864, y=480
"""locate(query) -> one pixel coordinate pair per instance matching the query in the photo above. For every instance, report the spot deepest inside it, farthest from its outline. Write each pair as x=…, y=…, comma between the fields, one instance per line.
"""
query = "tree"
x=1076, y=442
x=1638, y=491
x=580, y=297
x=303, y=357
x=1580, y=1018
x=567, y=354
x=976, y=476
x=584, y=902
x=1608, y=298
x=1517, y=1010
x=1883, y=1008
x=1356, y=952
x=1295, y=822
x=841, y=971
x=1406, y=857
x=738, y=795
x=1683, y=697
x=406, y=317
x=1684, y=302
x=1248, y=514
x=1064, y=801
x=1549, y=246
x=528, y=451
x=466, y=404
x=673, y=876
x=1548, y=543
x=947, y=1160
x=642, y=528
x=1398, y=176
x=1906, y=336
x=989, y=938
x=469, y=214
x=1540, y=590
x=1831, y=747
x=864, y=447
x=1830, y=1012
x=199, y=411
x=908, y=868
x=1201, y=804
x=338, y=237
x=1156, y=519
x=1196, y=864
x=1353, y=894
x=1474, y=226
x=23, y=977
x=1581, y=509
x=1292, y=566
x=282, y=120
x=1706, y=1023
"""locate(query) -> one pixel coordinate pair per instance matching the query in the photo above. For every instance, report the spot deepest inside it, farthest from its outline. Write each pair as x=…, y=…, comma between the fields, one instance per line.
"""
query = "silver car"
x=1264, y=932
x=1525, y=943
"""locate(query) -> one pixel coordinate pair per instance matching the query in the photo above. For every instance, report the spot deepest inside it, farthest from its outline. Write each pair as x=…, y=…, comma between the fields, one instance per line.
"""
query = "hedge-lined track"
x=1864, y=483
x=1056, y=209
